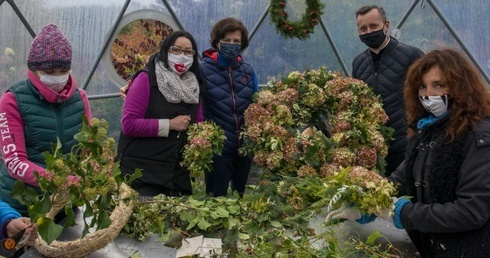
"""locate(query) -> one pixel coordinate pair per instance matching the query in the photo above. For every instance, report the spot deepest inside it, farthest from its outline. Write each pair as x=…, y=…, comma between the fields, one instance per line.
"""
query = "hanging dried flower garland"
x=296, y=29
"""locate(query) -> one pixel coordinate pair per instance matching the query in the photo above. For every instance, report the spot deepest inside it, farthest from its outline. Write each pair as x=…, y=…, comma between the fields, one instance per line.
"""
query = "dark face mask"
x=229, y=51
x=373, y=39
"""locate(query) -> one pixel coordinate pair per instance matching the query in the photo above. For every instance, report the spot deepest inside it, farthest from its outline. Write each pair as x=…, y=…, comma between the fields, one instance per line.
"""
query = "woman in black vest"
x=446, y=171
x=161, y=103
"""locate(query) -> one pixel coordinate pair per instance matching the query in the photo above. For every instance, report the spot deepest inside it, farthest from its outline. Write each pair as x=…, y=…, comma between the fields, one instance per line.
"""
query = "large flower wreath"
x=296, y=29
x=321, y=125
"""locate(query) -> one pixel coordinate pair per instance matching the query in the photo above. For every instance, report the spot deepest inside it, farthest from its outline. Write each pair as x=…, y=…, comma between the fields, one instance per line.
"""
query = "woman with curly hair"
x=446, y=172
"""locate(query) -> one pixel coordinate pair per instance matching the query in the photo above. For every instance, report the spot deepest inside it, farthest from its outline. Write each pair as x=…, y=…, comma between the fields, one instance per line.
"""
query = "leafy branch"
x=86, y=176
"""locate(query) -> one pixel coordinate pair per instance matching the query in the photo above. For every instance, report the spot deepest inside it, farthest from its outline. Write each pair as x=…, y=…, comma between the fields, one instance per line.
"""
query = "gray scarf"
x=177, y=88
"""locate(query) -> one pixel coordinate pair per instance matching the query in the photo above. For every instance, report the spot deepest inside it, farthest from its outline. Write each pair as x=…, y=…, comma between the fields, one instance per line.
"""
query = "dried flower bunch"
x=205, y=140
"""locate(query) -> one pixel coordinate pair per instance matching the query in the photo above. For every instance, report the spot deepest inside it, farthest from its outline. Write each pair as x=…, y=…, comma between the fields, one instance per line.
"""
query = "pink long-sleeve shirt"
x=134, y=123
x=12, y=141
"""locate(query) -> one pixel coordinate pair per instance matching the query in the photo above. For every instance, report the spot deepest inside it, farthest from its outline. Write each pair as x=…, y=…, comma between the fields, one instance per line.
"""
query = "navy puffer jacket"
x=228, y=94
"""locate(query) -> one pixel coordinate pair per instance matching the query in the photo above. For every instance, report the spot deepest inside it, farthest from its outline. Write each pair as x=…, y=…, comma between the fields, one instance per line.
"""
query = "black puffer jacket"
x=450, y=213
x=387, y=81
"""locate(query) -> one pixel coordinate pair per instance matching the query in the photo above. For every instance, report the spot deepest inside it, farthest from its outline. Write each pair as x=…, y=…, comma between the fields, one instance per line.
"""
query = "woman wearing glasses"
x=230, y=84
x=161, y=103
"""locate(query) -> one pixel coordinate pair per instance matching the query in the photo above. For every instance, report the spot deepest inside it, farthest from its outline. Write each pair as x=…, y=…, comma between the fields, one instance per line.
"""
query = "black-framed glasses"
x=177, y=51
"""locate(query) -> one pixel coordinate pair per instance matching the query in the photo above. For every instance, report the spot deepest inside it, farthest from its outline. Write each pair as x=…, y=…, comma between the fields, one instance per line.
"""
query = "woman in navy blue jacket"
x=230, y=84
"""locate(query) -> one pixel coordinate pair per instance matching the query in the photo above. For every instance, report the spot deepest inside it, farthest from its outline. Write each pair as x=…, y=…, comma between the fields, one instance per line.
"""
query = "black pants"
x=179, y=184
x=225, y=170
x=422, y=244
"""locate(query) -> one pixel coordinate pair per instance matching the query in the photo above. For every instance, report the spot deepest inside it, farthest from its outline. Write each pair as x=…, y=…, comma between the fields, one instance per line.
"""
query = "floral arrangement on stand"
x=86, y=177
x=296, y=29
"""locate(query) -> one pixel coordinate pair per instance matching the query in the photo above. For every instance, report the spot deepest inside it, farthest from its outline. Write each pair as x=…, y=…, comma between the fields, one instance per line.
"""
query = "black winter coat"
x=387, y=81
x=450, y=183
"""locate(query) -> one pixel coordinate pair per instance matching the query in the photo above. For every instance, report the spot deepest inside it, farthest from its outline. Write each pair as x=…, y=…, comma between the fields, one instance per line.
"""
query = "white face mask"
x=436, y=105
x=180, y=63
x=54, y=82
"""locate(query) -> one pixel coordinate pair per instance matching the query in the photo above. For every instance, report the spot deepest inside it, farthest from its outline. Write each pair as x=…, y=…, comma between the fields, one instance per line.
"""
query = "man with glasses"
x=383, y=66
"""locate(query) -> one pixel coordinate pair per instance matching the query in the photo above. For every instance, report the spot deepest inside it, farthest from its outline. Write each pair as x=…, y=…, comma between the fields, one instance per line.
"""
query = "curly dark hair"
x=228, y=25
x=469, y=97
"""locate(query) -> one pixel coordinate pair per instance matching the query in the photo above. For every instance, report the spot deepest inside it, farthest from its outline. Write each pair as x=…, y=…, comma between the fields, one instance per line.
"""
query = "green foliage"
x=87, y=176
x=271, y=219
x=296, y=29
x=372, y=248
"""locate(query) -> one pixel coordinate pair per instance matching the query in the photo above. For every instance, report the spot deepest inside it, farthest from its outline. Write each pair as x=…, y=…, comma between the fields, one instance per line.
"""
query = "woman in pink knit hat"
x=37, y=111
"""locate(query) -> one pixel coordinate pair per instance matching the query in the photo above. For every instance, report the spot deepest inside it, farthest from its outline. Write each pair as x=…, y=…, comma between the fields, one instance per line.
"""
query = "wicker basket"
x=94, y=241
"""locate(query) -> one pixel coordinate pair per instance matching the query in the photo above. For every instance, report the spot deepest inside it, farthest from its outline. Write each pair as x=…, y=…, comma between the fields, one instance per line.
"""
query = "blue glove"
x=400, y=203
x=350, y=213
x=366, y=218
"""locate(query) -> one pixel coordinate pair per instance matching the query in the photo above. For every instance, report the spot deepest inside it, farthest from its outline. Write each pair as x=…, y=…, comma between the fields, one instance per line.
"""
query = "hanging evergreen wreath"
x=296, y=29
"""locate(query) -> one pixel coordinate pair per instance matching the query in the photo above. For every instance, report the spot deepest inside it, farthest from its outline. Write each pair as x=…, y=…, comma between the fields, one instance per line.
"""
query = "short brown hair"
x=367, y=8
x=228, y=25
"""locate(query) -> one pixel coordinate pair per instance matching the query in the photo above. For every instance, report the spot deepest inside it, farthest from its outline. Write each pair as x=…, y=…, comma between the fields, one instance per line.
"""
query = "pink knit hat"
x=50, y=49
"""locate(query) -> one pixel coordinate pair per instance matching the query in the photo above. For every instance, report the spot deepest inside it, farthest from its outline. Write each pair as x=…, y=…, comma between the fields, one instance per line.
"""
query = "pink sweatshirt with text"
x=12, y=141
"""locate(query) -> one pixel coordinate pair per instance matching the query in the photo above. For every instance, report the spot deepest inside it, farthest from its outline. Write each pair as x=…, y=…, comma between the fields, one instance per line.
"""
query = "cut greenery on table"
x=320, y=141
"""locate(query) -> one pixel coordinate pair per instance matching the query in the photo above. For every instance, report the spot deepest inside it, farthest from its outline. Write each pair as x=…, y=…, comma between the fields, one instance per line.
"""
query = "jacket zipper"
x=234, y=105
x=60, y=123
